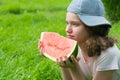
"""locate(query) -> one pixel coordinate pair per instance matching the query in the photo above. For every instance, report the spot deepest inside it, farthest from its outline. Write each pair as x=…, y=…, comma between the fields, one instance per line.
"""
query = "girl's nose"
x=68, y=29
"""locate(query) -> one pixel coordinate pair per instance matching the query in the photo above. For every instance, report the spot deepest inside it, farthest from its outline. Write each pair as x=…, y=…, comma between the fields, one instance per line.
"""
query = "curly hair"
x=99, y=40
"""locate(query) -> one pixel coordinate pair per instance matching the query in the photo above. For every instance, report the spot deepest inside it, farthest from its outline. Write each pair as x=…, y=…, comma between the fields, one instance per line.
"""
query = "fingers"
x=40, y=46
x=78, y=58
x=67, y=62
x=60, y=62
x=74, y=59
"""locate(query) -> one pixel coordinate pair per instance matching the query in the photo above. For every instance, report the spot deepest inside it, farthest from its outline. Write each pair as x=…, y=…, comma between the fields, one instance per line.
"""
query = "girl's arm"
x=71, y=69
x=66, y=74
x=76, y=72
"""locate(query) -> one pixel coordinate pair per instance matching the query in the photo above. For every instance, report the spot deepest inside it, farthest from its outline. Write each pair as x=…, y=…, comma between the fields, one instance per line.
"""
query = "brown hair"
x=99, y=40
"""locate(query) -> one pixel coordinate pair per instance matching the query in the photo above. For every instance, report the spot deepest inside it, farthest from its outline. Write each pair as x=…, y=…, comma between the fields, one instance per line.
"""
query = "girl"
x=98, y=57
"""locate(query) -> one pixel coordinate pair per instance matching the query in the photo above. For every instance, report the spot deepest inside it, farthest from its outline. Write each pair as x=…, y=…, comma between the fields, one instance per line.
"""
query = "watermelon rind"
x=73, y=52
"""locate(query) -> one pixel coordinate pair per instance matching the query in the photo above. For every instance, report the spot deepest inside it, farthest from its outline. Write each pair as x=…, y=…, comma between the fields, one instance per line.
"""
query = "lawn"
x=21, y=22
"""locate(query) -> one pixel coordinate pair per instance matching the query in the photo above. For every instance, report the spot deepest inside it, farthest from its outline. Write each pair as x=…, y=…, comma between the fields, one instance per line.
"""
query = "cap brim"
x=94, y=20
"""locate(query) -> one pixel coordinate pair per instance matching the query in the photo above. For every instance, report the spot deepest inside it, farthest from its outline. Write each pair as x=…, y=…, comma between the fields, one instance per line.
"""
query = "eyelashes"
x=72, y=23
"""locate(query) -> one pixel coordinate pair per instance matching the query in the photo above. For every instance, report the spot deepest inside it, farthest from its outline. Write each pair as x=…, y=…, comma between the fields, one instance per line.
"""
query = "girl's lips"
x=70, y=36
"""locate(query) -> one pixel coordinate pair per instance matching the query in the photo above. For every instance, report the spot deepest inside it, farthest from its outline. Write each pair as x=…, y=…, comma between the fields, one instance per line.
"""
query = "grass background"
x=21, y=22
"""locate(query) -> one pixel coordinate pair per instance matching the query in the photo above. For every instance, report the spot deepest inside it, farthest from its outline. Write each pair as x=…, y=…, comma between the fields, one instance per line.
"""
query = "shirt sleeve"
x=107, y=61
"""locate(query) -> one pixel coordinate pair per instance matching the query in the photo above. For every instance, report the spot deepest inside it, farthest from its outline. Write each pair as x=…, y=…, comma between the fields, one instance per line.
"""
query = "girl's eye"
x=75, y=24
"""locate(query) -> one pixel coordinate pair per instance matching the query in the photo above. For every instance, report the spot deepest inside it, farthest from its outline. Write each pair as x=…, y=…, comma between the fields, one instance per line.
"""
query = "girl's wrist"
x=74, y=67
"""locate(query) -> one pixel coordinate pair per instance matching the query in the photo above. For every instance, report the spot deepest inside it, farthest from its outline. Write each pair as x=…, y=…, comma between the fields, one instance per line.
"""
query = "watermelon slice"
x=55, y=46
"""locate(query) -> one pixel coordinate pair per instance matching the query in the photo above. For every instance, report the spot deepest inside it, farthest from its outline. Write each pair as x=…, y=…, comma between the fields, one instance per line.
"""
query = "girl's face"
x=75, y=29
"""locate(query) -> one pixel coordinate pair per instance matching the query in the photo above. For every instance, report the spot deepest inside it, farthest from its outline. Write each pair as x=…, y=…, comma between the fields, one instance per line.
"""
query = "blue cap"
x=90, y=12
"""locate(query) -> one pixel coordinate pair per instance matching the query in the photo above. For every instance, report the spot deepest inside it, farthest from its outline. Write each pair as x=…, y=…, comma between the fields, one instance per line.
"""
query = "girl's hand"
x=65, y=62
x=40, y=46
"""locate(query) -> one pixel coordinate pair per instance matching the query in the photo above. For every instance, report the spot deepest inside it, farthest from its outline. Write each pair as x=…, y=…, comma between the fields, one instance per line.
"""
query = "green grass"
x=115, y=32
x=21, y=22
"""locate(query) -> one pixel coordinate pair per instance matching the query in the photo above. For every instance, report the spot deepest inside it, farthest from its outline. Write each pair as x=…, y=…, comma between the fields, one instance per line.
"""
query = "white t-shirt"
x=108, y=60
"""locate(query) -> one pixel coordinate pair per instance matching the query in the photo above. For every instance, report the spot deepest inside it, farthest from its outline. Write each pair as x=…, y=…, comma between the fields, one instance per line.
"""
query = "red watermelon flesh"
x=55, y=45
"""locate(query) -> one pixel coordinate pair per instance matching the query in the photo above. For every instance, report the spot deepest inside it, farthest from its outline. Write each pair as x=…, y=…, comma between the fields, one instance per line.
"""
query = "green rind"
x=75, y=52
